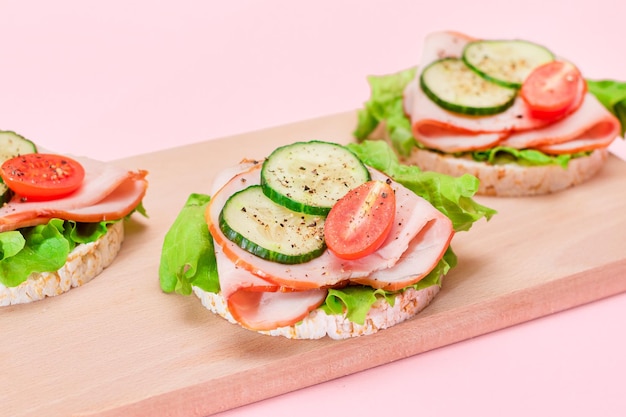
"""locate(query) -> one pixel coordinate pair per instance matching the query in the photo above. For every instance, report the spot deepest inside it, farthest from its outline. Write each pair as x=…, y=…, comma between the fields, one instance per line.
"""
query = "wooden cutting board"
x=120, y=347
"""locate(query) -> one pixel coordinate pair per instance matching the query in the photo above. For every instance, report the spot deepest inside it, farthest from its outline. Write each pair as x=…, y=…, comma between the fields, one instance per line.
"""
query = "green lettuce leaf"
x=612, y=94
x=77, y=233
x=504, y=154
x=385, y=105
x=357, y=300
x=45, y=249
x=139, y=209
x=42, y=248
x=187, y=255
x=11, y=243
x=453, y=196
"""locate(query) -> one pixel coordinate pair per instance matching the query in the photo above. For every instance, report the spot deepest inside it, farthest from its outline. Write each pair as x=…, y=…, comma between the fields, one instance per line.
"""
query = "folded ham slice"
x=590, y=127
x=263, y=295
x=253, y=302
x=258, y=304
x=417, y=261
x=108, y=192
x=587, y=122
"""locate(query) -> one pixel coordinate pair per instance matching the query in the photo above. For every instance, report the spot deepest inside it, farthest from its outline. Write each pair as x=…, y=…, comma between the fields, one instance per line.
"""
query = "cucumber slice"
x=12, y=145
x=505, y=62
x=455, y=87
x=5, y=193
x=270, y=231
x=310, y=177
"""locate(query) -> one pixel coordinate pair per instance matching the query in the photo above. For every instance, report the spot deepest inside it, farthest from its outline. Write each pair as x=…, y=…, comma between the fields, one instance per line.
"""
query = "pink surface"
x=122, y=78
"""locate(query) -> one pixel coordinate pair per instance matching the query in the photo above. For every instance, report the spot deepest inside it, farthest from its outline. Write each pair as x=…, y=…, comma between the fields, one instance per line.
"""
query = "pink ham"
x=233, y=278
x=450, y=132
x=258, y=304
x=107, y=193
x=579, y=144
x=431, y=243
x=413, y=215
x=270, y=310
x=590, y=127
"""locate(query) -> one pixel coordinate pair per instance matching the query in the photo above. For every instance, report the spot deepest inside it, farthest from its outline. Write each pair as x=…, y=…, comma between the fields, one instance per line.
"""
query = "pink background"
x=122, y=78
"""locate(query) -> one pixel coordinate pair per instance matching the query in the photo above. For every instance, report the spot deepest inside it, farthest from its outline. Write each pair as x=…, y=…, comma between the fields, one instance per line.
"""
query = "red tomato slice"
x=551, y=89
x=40, y=176
x=360, y=221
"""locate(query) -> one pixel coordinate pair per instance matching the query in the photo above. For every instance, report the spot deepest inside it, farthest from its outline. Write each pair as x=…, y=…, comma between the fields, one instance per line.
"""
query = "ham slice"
x=450, y=132
x=431, y=243
x=270, y=310
x=108, y=192
x=258, y=304
x=590, y=127
x=263, y=295
x=233, y=278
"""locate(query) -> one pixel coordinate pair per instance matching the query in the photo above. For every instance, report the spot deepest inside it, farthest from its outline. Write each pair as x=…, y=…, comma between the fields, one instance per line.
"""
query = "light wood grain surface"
x=120, y=347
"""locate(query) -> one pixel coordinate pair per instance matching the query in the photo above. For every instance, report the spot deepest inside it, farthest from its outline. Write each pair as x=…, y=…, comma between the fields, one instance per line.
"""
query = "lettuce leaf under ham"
x=385, y=105
x=450, y=195
x=42, y=248
x=187, y=256
x=612, y=94
x=188, y=259
x=45, y=247
x=357, y=300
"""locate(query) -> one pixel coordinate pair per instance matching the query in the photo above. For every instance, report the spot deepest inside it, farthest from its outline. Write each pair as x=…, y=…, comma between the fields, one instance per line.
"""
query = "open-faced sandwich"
x=520, y=118
x=61, y=218
x=319, y=239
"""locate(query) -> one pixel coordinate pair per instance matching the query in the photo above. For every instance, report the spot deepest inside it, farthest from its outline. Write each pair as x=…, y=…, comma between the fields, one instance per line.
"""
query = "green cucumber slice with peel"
x=12, y=145
x=310, y=177
x=269, y=230
x=452, y=85
x=505, y=62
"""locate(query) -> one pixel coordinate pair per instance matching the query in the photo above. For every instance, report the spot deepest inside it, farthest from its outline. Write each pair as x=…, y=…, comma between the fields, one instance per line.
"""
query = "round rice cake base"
x=318, y=324
x=512, y=180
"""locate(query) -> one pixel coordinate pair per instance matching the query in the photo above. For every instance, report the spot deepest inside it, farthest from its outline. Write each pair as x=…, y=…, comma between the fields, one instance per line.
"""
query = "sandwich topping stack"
x=319, y=239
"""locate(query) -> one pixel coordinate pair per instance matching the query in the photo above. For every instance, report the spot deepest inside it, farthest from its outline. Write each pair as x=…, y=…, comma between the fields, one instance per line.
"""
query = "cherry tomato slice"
x=360, y=221
x=40, y=176
x=551, y=89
